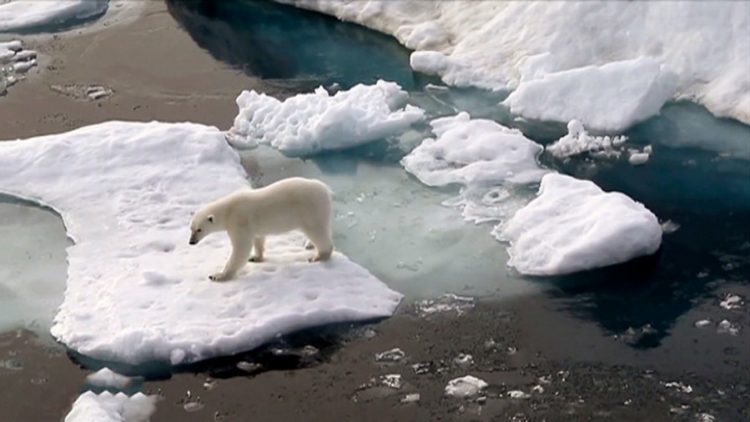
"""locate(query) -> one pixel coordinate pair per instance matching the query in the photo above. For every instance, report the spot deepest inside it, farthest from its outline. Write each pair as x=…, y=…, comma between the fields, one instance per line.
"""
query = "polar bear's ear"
x=211, y=218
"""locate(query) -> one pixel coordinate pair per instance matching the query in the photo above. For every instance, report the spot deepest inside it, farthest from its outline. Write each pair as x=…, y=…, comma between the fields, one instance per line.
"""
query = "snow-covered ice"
x=466, y=386
x=306, y=124
x=500, y=44
x=107, y=378
x=24, y=15
x=572, y=225
x=474, y=152
x=609, y=98
x=579, y=141
x=108, y=407
x=136, y=292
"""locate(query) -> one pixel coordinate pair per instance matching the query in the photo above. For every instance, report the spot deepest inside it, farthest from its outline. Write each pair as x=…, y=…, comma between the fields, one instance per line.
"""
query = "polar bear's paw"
x=219, y=277
x=255, y=259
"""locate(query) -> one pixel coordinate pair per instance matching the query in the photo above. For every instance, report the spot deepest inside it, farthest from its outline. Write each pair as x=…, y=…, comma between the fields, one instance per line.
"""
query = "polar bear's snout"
x=193, y=239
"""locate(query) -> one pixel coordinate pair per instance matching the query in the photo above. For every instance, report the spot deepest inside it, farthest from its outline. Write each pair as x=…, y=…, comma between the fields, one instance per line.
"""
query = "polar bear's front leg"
x=241, y=245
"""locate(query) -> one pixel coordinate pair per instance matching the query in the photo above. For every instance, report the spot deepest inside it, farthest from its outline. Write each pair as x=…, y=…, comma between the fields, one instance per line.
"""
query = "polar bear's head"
x=202, y=224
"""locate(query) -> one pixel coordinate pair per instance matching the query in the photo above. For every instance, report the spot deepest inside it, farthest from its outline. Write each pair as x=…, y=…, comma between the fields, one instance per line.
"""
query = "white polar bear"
x=249, y=215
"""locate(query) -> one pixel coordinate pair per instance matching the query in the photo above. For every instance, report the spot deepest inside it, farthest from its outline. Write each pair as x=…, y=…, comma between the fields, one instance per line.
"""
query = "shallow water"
x=33, y=266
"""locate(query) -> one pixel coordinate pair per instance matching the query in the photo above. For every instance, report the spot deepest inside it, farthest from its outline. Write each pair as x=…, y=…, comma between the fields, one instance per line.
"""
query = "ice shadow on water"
x=704, y=192
x=302, y=349
x=275, y=41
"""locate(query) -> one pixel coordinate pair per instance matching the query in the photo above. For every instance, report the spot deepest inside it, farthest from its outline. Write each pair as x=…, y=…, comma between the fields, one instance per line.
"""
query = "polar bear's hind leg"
x=258, y=245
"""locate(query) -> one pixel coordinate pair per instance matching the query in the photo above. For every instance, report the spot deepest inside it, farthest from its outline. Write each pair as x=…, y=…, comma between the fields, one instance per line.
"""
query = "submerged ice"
x=136, y=292
x=23, y=15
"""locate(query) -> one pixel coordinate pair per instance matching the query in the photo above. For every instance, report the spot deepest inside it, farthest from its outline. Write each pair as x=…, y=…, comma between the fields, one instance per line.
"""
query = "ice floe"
x=24, y=15
x=14, y=63
x=465, y=386
x=106, y=378
x=499, y=45
x=609, y=98
x=306, y=124
x=108, y=407
x=474, y=152
x=136, y=292
x=572, y=225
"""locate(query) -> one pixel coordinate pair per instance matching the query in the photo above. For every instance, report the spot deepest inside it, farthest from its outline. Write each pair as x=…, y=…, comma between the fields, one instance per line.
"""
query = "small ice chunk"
x=108, y=407
x=572, y=225
x=731, y=301
x=727, y=327
x=466, y=386
x=392, y=355
x=679, y=386
x=702, y=323
x=392, y=381
x=464, y=360
x=411, y=398
x=579, y=141
x=106, y=378
x=448, y=302
x=669, y=226
x=518, y=394
x=638, y=158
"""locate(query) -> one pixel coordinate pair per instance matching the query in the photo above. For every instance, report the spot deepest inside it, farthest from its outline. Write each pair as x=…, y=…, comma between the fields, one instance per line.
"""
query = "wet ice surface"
x=33, y=267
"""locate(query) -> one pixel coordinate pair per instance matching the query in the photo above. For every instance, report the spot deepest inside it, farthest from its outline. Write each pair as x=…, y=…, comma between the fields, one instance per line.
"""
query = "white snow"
x=466, y=386
x=24, y=15
x=14, y=62
x=108, y=407
x=572, y=225
x=608, y=98
x=499, y=44
x=306, y=124
x=106, y=378
x=136, y=291
x=474, y=152
x=579, y=141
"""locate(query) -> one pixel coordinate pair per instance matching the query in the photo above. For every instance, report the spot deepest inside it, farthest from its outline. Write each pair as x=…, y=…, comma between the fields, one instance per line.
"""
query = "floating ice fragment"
x=393, y=355
x=579, y=141
x=702, y=323
x=448, y=302
x=466, y=386
x=464, y=360
x=638, y=158
x=106, y=378
x=669, y=227
x=411, y=398
x=518, y=394
x=731, y=301
x=683, y=388
x=392, y=381
x=727, y=327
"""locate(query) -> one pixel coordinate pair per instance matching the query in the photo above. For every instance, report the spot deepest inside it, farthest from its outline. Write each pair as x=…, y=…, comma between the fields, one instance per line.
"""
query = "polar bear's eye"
x=199, y=230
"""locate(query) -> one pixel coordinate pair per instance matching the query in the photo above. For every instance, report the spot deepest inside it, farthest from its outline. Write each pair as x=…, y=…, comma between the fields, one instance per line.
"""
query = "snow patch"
x=108, y=407
x=572, y=225
x=310, y=123
x=124, y=188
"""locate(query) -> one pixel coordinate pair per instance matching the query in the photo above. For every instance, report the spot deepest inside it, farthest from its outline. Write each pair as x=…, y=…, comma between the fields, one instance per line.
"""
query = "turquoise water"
x=698, y=177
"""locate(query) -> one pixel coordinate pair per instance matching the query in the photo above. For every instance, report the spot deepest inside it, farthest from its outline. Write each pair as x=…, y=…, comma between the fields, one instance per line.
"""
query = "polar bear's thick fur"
x=249, y=215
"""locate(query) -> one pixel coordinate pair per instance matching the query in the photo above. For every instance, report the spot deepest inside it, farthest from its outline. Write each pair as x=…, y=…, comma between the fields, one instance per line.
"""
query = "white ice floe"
x=638, y=158
x=108, y=407
x=136, y=291
x=14, y=62
x=309, y=123
x=572, y=225
x=24, y=15
x=731, y=301
x=609, y=98
x=106, y=378
x=579, y=141
x=474, y=152
x=465, y=386
x=499, y=44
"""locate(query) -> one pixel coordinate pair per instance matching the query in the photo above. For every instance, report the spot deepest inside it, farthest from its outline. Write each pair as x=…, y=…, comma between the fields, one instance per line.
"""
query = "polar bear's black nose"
x=193, y=241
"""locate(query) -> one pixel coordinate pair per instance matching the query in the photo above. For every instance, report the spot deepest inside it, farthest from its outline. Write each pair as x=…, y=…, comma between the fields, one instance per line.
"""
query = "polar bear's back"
x=290, y=204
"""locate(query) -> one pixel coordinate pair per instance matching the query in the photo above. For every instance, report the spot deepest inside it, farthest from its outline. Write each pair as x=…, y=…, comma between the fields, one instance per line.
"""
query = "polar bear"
x=249, y=215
